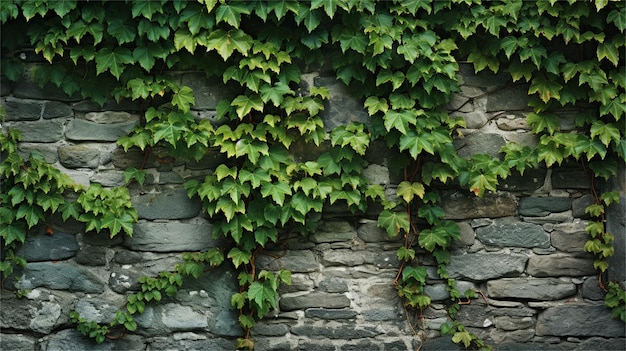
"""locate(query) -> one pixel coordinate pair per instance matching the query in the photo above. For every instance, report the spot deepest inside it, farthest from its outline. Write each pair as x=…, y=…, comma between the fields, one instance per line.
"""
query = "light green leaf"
x=277, y=191
x=408, y=190
x=113, y=60
x=393, y=222
x=239, y=257
x=183, y=99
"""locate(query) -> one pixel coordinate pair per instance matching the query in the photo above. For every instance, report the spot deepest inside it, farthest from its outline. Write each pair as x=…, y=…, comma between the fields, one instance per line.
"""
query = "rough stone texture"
x=570, y=178
x=298, y=261
x=42, y=131
x=170, y=236
x=559, y=265
x=166, y=204
x=351, y=258
x=457, y=205
x=508, y=99
x=543, y=206
x=545, y=289
x=483, y=266
x=56, y=109
x=17, y=342
x=43, y=247
x=531, y=180
x=79, y=156
x=22, y=110
x=81, y=130
x=479, y=143
x=570, y=237
x=506, y=233
x=59, y=276
x=314, y=300
x=342, y=108
x=579, y=320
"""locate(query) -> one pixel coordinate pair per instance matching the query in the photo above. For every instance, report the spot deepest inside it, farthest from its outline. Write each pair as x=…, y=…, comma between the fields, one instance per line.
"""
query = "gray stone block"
x=579, y=320
x=335, y=331
x=73, y=340
x=507, y=233
x=570, y=178
x=570, y=237
x=22, y=110
x=543, y=206
x=580, y=204
x=49, y=152
x=27, y=89
x=39, y=131
x=323, y=313
x=42, y=247
x=479, y=143
x=512, y=98
x=560, y=265
x=484, y=266
x=59, y=276
x=342, y=108
x=17, y=342
x=591, y=289
x=544, y=289
x=350, y=258
x=296, y=261
x=166, y=204
x=270, y=329
x=79, y=156
x=314, y=300
x=530, y=181
x=464, y=205
x=57, y=109
x=82, y=130
x=92, y=256
x=170, y=237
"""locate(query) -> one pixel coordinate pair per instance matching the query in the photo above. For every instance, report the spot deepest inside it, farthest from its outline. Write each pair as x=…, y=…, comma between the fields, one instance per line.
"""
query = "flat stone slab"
x=482, y=266
x=543, y=206
x=579, y=320
x=167, y=204
x=42, y=247
x=59, y=276
x=464, y=205
x=314, y=300
x=170, y=236
x=543, y=289
x=559, y=265
x=505, y=233
x=296, y=261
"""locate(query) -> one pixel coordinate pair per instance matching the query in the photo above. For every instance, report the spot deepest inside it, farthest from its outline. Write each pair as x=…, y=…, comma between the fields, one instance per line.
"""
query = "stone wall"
x=521, y=247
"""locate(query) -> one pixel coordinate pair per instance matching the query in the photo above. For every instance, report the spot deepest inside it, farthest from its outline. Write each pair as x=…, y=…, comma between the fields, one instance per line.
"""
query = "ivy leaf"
x=544, y=121
x=70, y=209
x=374, y=104
x=262, y=293
x=330, y=6
x=50, y=201
x=393, y=222
x=399, y=120
x=596, y=79
x=462, y=337
x=430, y=238
x=13, y=232
x=605, y=132
x=547, y=88
x=239, y=257
x=117, y=223
x=225, y=43
x=119, y=29
x=608, y=51
x=231, y=13
x=244, y=104
x=409, y=190
x=183, y=99
x=418, y=274
x=31, y=213
x=275, y=93
x=147, y=8
x=113, y=60
x=277, y=191
x=618, y=18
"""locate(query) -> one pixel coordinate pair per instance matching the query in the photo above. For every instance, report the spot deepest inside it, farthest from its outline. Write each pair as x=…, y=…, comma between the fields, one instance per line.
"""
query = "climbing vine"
x=400, y=57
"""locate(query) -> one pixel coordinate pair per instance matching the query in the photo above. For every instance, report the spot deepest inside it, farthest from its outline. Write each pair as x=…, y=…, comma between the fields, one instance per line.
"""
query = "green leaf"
x=544, y=121
x=419, y=274
x=462, y=337
x=547, y=88
x=606, y=132
x=393, y=222
x=31, y=213
x=399, y=120
x=618, y=17
x=245, y=104
x=116, y=223
x=608, y=51
x=231, y=13
x=239, y=257
x=13, y=232
x=183, y=99
x=431, y=238
x=409, y=190
x=225, y=43
x=330, y=6
x=113, y=60
x=277, y=191
x=147, y=8
x=405, y=254
x=275, y=93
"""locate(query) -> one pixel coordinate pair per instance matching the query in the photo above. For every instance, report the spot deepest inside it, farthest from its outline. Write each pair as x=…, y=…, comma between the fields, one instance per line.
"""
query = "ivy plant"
x=401, y=58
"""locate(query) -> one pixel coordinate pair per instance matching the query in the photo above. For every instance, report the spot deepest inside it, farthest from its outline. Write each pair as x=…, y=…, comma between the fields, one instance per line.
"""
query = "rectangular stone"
x=559, y=265
x=314, y=300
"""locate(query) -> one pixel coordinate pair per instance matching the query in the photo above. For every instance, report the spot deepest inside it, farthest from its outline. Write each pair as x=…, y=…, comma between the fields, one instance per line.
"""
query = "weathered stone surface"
x=333, y=314
x=513, y=98
x=559, y=265
x=380, y=314
x=170, y=236
x=483, y=143
x=166, y=204
x=457, y=205
x=49, y=152
x=468, y=236
x=514, y=323
x=5, y=89
x=17, y=342
x=111, y=117
x=334, y=330
x=543, y=206
x=99, y=309
x=22, y=110
x=102, y=239
x=580, y=204
x=73, y=340
x=530, y=181
x=56, y=109
x=342, y=108
x=190, y=342
x=41, y=247
x=109, y=178
x=438, y=292
x=508, y=233
x=363, y=344
x=134, y=157
x=82, y=130
x=28, y=89
x=443, y=343
x=59, y=276
x=79, y=156
x=346, y=257
x=314, y=300
x=570, y=237
x=177, y=317
x=267, y=329
x=297, y=261
x=510, y=124
x=473, y=119
x=482, y=266
x=570, y=178
x=92, y=256
x=592, y=290
x=376, y=174
x=43, y=131
x=333, y=231
x=208, y=91
x=579, y=320
x=545, y=289
x=371, y=233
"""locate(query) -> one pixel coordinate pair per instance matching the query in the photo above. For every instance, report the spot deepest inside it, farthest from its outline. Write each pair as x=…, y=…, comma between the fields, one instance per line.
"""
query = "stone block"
x=464, y=205
x=439, y=292
x=49, y=152
x=442, y=343
x=73, y=340
x=323, y=313
x=166, y=204
x=92, y=256
x=170, y=237
x=134, y=157
x=531, y=180
x=28, y=89
x=479, y=143
x=512, y=98
x=296, y=261
x=57, y=109
x=82, y=130
x=485, y=266
x=371, y=233
x=570, y=237
x=335, y=331
x=102, y=239
x=350, y=258
x=99, y=309
x=570, y=178
x=363, y=344
x=43, y=131
x=591, y=289
x=514, y=323
x=482, y=79
x=109, y=178
x=542, y=206
x=314, y=300
x=580, y=204
x=80, y=156
x=59, y=276
x=111, y=117
x=509, y=233
x=579, y=320
x=376, y=174
x=559, y=265
x=208, y=92
x=542, y=289
x=17, y=342
x=42, y=247
x=270, y=329
x=177, y=317
x=40, y=311
x=333, y=285
x=342, y=108
x=22, y=110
